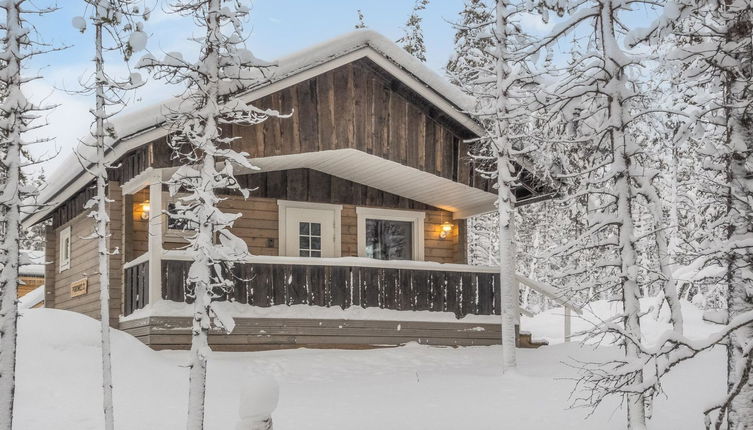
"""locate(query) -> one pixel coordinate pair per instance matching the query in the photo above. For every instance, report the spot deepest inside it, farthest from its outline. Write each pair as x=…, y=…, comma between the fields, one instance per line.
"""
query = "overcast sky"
x=277, y=28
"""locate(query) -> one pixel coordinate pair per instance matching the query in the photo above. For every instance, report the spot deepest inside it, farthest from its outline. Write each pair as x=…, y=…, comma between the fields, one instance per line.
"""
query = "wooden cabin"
x=360, y=203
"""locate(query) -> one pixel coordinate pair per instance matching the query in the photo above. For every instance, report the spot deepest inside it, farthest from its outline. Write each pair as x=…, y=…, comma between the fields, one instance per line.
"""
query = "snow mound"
x=548, y=325
x=59, y=372
x=59, y=385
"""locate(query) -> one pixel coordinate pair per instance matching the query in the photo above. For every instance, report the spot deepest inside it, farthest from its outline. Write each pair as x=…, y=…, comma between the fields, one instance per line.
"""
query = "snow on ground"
x=412, y=387
x=549, y=325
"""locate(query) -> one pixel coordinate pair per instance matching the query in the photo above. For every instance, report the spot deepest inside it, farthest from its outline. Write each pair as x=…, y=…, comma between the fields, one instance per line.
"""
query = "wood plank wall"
x=85, y=262
x=355, y=106
x=259, y=223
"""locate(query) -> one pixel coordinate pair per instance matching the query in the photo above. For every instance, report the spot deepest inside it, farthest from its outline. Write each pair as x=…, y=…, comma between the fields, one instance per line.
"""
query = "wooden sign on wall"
x=78, y=288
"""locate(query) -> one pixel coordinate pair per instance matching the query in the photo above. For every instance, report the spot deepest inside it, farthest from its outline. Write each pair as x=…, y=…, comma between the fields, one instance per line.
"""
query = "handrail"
x=143, y=258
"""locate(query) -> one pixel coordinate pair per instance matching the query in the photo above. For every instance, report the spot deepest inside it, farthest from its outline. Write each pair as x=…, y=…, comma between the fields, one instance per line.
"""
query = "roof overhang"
x=357, y=166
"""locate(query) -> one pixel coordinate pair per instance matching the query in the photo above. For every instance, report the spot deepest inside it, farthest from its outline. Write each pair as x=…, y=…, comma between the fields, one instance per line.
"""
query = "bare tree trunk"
x=636, y=411
x=13, y=109
x=505, y=200
x=102, y=228
x=201, y=268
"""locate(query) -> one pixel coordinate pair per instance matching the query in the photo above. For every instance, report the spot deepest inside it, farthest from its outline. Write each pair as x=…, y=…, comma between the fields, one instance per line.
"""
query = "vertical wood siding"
x=462, y=293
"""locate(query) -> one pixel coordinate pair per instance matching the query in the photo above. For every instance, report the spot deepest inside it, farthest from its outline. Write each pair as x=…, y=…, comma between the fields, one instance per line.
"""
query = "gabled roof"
x=137, y=128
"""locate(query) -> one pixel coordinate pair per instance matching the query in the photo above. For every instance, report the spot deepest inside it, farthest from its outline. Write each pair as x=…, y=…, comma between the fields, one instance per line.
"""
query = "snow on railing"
x=546, y=290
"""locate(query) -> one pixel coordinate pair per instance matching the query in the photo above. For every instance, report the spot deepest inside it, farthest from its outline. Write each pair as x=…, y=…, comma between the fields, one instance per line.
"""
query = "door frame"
x=284, y=205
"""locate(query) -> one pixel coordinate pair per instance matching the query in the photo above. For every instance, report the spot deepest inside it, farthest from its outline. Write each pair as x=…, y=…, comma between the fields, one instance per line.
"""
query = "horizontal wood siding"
x=85, y=263
x=314, y=186
x=256, y=334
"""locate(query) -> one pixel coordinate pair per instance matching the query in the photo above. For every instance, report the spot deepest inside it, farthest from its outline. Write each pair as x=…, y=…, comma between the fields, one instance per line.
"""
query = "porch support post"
x=155, y=239
x=516, y=296
x=568, y=323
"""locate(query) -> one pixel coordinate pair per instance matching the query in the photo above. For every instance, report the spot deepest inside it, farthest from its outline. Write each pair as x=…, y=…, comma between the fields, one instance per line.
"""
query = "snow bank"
x=412, y=387
x=59, y=376
x=548, y=325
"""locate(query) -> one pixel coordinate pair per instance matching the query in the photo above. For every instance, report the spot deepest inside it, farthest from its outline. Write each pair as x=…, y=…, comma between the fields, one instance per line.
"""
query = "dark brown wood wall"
x=307, y=185
x=462, y=293
x=357, y=106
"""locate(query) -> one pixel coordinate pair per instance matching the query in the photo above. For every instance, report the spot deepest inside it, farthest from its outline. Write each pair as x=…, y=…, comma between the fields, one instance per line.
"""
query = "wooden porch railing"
x=344, y=282
x=135, y=287
x=461, y=293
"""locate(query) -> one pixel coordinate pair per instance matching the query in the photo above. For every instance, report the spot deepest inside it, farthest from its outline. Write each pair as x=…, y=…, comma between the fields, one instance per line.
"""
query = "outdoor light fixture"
x=446, y=229
x=145, y=210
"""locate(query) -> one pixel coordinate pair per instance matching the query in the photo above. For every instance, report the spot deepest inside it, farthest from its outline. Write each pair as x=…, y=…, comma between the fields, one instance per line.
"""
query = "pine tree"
x=713, y=53
x=472, y=41
x=361, y=23
x=413, y=38
x=111, y=19
x=17, y=115
x=207, y=106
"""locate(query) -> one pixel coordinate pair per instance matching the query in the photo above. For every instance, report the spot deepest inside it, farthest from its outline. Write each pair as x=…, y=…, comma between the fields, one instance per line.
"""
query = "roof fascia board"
x=118, y=150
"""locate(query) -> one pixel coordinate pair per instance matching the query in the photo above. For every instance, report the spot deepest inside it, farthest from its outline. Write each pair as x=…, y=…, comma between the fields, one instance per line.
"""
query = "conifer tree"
x=413, y=38
x=114, y=30
x=207, y=107
x=17, y=118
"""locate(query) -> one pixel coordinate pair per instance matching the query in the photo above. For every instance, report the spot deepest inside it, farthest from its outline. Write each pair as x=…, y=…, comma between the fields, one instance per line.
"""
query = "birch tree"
x=17, y=117
x=205, y=111
x=472, y=41
x=112, y=19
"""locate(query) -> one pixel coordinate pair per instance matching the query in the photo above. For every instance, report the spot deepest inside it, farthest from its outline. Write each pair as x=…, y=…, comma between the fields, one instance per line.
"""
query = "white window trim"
x=415, y=217
x=282, y=207
x=62, y=235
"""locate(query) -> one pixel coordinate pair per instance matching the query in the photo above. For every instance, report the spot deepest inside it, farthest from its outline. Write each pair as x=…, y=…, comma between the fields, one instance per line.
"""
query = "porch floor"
x=258, y=334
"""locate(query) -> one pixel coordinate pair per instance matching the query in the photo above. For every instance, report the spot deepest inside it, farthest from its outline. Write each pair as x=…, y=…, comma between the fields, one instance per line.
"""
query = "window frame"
x=417, y=218
x=282, y=231
x=64, y=264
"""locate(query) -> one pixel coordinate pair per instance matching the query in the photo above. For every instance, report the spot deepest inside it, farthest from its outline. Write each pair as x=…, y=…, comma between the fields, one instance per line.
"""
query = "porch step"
x=525, y=340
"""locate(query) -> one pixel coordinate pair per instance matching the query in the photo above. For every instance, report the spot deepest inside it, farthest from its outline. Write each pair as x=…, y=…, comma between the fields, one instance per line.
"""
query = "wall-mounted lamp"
x=446, y=229
x=145, y=210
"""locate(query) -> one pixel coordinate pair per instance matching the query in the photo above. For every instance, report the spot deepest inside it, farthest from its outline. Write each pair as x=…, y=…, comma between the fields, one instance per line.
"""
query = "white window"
x=64, y=255
x=309, y=229
x=387, y=234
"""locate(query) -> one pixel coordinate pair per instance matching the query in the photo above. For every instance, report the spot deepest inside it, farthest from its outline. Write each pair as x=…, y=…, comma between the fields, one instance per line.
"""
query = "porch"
x=347, y=302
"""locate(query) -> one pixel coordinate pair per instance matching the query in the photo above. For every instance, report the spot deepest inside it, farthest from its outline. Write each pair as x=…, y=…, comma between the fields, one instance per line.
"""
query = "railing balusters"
x=391, y=288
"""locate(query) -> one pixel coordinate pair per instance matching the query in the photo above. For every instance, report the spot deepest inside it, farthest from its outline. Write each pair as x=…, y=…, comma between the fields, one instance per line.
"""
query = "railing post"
x=155, y=238
x=568, y=323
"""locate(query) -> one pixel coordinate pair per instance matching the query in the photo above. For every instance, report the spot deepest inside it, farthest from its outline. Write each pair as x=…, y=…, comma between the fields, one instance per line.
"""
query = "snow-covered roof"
x=70, y=177
x=32, y=298
x=36, y=266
